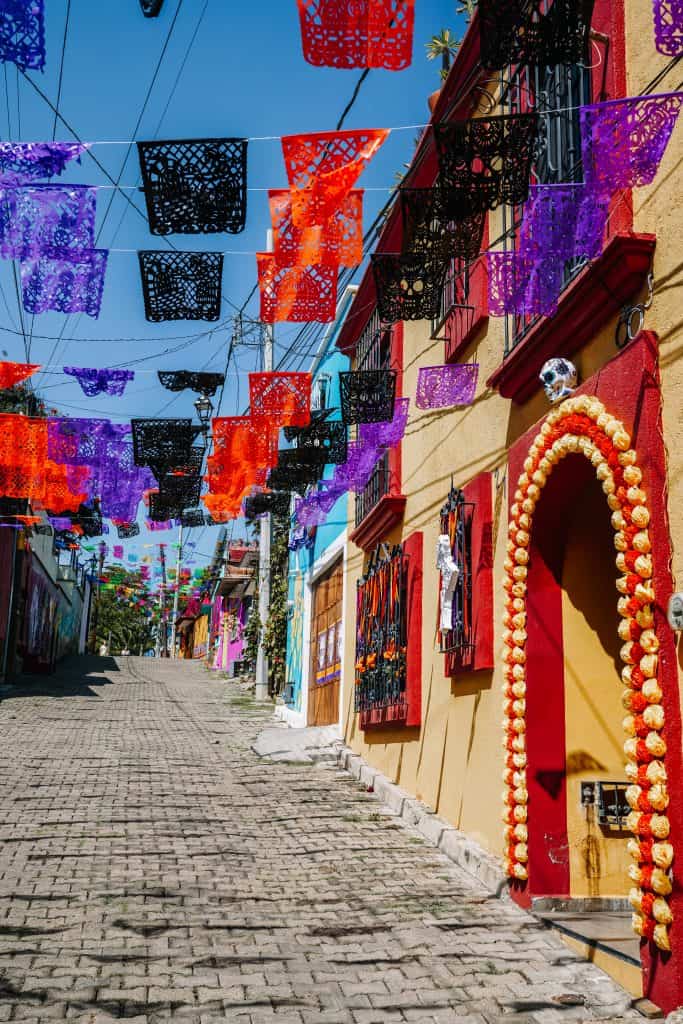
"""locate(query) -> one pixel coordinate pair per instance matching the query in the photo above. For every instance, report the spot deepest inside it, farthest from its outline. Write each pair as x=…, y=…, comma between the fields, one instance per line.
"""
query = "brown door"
x=326, y=648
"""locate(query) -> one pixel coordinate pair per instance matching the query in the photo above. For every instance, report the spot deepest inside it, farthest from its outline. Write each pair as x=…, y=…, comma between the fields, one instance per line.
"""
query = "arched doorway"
x=578, y=434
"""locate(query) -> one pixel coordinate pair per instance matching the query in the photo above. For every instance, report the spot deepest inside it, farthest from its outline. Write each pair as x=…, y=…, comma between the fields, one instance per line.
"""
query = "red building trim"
x=595, y=296
x=628, y=386
x=413, y=553
x=481, y=657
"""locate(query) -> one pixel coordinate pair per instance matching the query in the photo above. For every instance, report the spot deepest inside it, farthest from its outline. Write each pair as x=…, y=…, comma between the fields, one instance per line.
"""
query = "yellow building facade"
x=451, y=751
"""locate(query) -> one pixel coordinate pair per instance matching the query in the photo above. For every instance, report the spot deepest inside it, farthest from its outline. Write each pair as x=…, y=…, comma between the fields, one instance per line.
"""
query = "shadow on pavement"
x=76, y=676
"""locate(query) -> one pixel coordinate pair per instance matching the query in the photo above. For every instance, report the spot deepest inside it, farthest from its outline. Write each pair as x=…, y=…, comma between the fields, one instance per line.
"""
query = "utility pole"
x=179, y=564
x=261, y=690
x=96, y=605
x=163, y=624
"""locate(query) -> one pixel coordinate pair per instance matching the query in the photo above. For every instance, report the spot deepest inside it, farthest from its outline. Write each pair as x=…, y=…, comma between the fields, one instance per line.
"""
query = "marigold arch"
x=582, y=425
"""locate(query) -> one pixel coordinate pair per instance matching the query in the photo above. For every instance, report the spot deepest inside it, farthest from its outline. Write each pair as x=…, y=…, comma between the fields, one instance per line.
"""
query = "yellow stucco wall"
x=454, y=762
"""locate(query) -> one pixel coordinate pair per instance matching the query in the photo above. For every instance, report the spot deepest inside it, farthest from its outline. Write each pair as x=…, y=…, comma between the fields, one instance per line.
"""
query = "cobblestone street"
x=154, y=869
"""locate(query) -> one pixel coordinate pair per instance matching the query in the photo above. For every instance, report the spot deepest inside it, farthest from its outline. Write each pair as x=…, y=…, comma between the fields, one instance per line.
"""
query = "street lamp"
x=204, y=408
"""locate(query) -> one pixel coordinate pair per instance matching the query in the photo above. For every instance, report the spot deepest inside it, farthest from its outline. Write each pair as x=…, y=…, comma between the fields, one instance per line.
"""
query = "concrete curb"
x=457, y=846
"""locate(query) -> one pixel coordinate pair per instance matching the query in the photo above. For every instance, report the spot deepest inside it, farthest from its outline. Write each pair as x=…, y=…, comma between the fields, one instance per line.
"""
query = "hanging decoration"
x=367, y=396
x=532, y=33
x=317, y=416
x=22, y=160
x=180, y=380
x=441, y=387
x=275, y=502
x=291, y=474
x=180, y=491
x=244, y=444
x=323, y=167
x=95, y=382
x=151, y=8
x=381, y=636
x=408, y=287
x=195, y=187
x=22, y=33
x=521, y=286
x=337, y=243
x=163, y=444
x=323, y=443
x=485, y=162
x=64, y=281
x=118, y=550
x=14, y=373
x=623, y=141
x=583, y=426
x=181, y=285
x=355, y=473
x=282, y=399
x=296, y=294
x=430, y=233
x=668, y=15
x=192, y=518
x=40, y=217
x=126, y=531
x=363, y=34
x=565, y=221
x=386, y=435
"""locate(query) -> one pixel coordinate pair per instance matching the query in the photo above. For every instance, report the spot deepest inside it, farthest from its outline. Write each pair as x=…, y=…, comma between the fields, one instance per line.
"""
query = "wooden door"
x=327, y=643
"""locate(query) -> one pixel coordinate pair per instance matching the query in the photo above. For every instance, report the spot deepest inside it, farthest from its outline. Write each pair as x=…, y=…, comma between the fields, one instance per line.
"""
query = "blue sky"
x=245, y=76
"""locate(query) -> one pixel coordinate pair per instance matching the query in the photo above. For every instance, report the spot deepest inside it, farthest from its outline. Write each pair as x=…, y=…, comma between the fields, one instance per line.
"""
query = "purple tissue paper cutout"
x=387, y=433
x=668, y=15
x=95, y=382
x=60, y=522
x=623, y=141
x=22, y=33
x=151, y=525
x=105, y=448
x=37, y=218
x=565, y=221
x=439, y=387
x=522, y=286
x=22, y=160
x=63, y=281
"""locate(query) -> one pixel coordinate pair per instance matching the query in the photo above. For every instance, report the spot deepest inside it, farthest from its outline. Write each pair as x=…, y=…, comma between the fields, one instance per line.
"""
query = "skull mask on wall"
x=559, y=378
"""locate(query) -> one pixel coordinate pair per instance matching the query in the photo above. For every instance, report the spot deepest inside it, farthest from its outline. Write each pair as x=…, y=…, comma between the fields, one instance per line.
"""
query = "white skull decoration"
x=559, y=378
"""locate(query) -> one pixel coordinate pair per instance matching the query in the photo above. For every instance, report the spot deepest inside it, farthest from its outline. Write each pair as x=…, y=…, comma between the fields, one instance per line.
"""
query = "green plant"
x=443, y=46
x=275, y=632
x=252, y=634
x=466, y=7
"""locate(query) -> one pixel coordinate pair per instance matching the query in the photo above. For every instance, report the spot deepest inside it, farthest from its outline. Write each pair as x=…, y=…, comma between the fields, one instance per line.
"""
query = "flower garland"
x=582, y=425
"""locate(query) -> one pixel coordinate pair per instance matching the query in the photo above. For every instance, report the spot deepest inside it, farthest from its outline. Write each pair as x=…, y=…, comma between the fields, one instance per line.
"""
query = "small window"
x=321, y=392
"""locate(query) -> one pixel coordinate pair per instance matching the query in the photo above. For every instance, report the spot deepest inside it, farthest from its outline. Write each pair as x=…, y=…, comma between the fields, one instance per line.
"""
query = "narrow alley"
x=154, y=868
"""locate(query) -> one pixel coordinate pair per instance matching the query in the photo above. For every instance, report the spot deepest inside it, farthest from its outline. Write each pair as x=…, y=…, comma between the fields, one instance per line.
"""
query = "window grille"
x=556, y=93
x=380, y=680
x=456, y=524
x=373, y=352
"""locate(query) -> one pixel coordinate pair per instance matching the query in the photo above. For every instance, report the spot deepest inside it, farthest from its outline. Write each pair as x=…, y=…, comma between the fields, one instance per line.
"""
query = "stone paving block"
x=168, y=874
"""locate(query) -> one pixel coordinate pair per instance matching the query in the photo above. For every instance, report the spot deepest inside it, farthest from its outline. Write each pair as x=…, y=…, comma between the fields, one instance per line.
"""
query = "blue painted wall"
x=330, y=363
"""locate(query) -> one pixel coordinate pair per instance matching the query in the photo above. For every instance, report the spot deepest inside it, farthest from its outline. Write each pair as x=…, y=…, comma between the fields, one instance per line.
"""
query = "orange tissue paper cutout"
x=282, y=398
x=323, y=167
x=337, y=243
x=359, y=34
x=14, y=373
x=296, y=294
x=239, y=439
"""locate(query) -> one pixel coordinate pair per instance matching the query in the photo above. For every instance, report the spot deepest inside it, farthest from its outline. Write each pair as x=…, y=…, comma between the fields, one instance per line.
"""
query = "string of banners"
x=380, y=33
x=317, y=223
